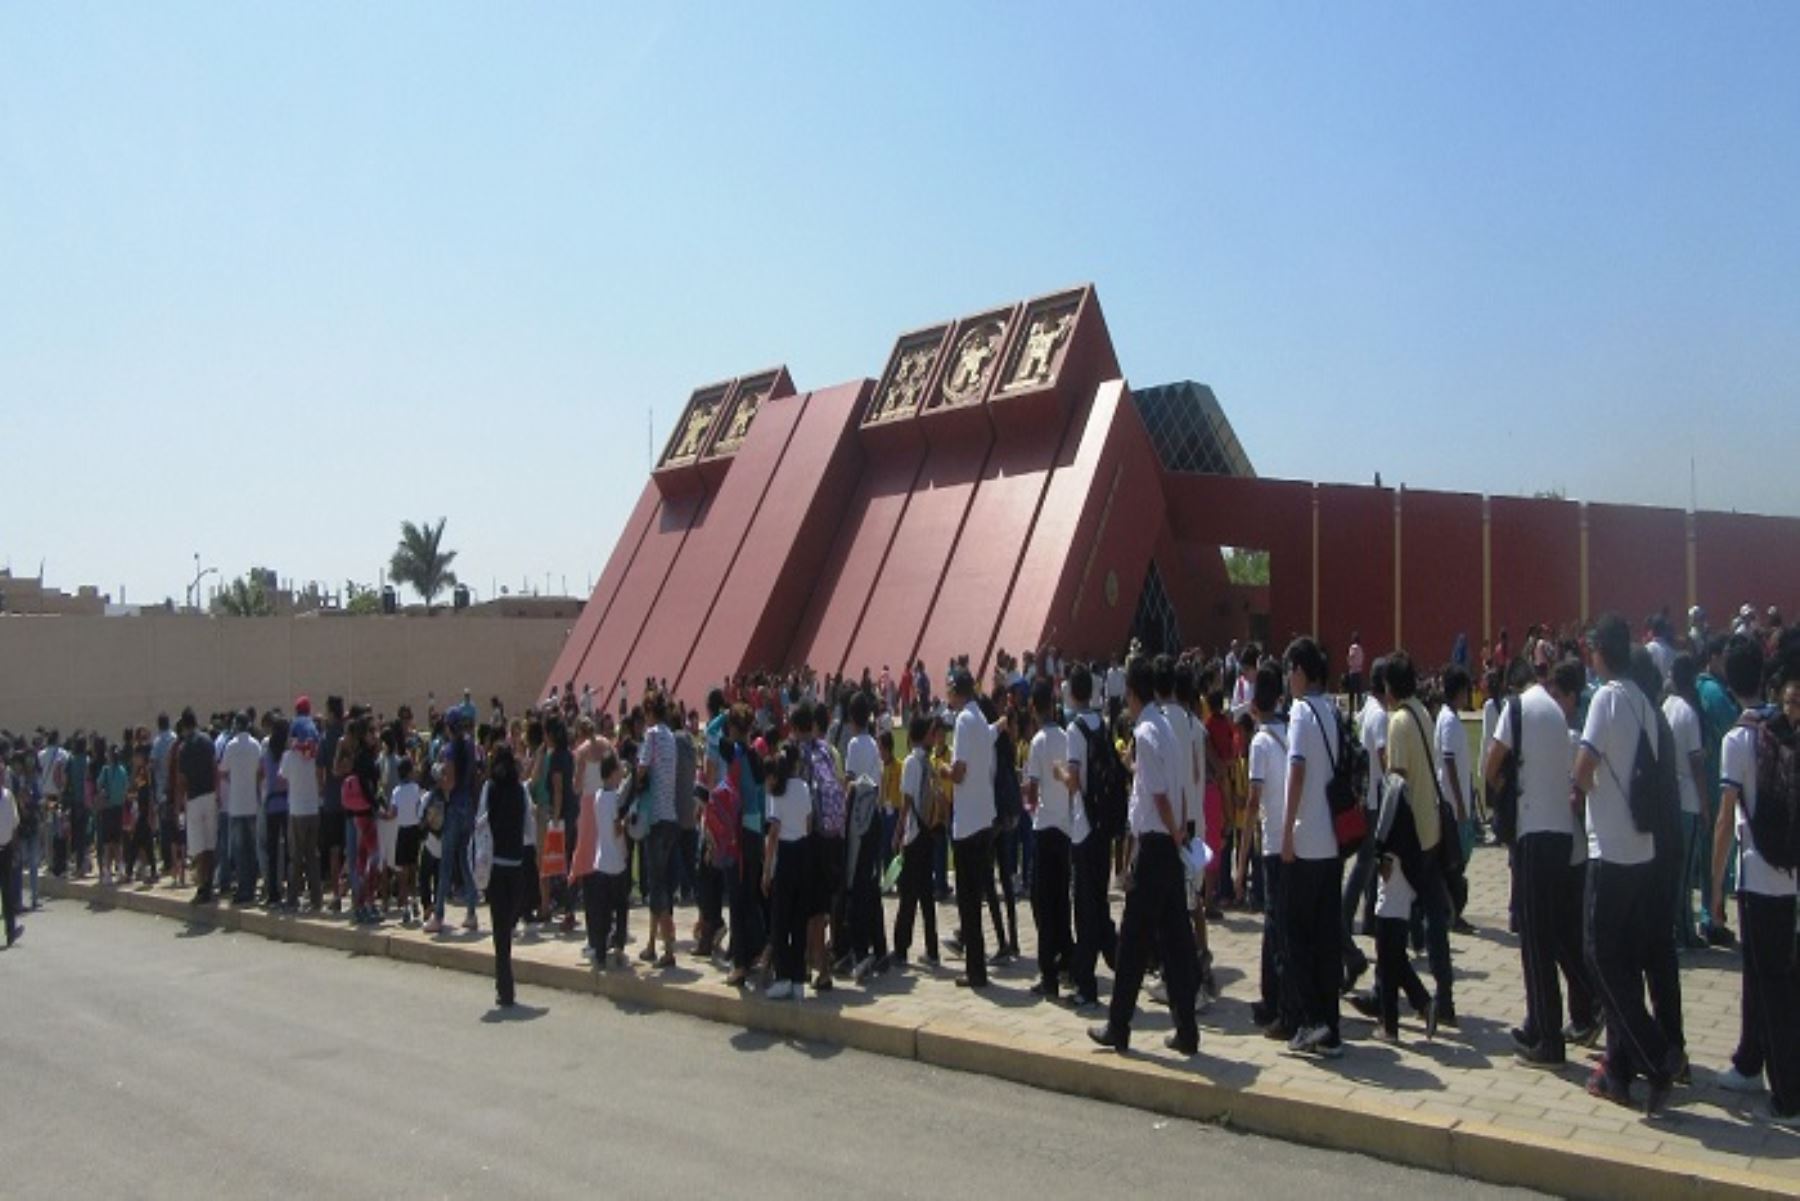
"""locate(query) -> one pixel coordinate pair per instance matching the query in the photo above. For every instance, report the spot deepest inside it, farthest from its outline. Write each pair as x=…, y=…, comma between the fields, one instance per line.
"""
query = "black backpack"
x=1654, y=791
x=1108, y=792
x=1775, y=824
x=1343, y=790
x=1505, y=807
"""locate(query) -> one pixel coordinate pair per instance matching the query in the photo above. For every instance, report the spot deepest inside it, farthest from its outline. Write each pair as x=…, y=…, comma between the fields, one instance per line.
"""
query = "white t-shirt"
x=1393, y=893
x=239, y=763
x=301, y=772
x=1268, y=768
x=1737, y=769
x=1545, y=767
x=609, y=854
x=1372, y=733
x=49, y=760
x=1617, y=716
x=1315, y=745
x=912, y=784
x=863, y=758
x=1684, y=723
x=9, y=817
x=1184, y=794
x=1452, y=753
x=1114, y=688
x=408, y=802
x=793, y=809
x=1056, y=804
x=1078, y=751
x=1663, y=655
x=1153, y=774
x=974, y=797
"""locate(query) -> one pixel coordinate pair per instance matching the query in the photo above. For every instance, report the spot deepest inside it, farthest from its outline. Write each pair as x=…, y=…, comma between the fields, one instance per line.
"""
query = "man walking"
x=196, y=781
x=972, y=814
x=1156, y=896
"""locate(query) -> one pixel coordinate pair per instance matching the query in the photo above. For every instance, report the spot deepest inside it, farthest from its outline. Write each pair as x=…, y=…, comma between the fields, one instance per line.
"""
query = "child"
x=606, y=891
x=406, y=808
x=1400, y=863
x=914, y=842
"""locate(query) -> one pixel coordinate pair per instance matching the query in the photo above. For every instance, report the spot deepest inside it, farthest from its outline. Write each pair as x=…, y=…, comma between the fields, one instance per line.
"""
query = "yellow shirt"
x=1411, y=752
x=890, y=784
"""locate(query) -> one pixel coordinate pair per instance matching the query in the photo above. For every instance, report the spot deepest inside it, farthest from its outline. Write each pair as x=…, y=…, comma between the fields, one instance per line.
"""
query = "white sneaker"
x=781, y=990
x=1734, y=1081
x=587, y=953
x=1306, y=1040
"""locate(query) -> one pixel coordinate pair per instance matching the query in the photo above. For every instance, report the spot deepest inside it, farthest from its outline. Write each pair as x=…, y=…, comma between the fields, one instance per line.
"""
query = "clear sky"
x=274, y=277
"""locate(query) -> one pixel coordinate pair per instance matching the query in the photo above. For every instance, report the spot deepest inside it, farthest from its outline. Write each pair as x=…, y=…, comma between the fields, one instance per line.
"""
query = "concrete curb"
x=1455, y=1146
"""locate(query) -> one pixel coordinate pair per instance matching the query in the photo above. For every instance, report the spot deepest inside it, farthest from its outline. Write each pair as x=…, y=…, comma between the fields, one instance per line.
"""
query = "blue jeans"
x=242, y=833
x=31, y=858
x=459, y=827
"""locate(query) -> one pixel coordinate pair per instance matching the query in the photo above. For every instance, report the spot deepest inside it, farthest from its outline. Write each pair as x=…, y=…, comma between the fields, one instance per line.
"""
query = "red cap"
x=303, y=706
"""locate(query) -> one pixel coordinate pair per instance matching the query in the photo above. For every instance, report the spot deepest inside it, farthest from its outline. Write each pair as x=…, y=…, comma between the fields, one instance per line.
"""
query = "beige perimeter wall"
x=107, y=672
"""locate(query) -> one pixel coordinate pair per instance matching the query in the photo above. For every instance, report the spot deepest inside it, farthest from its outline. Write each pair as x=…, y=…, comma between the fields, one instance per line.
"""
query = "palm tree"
x=421, y=560
x=243, y=597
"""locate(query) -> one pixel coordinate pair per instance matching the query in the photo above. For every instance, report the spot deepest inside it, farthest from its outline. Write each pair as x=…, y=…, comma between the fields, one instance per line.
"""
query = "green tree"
x=363, y=601
x=421, y=560
x=243, y=597
x=1246, y=566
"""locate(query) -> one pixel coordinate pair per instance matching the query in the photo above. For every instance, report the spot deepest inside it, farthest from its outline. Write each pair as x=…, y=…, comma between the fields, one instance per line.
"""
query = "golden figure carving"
x=698, y=422
x=740, y=421
x=1047, y=333
x=902, y=392
x=974, y=356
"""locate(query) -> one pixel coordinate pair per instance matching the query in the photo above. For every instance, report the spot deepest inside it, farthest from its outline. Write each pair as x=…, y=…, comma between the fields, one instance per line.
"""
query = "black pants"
x=1274, y=943
x=605, y=900
x=275, y=849
x=868, y=928
x=9, y=887
x=1313, y=892
x=1006, y=935
x=1050, y=906
x=506, y=899
x=790, y=907
x=1621, y=905
x=916, y=896
x=1549, y=894
x=829, y=855
x=1095, y=935
x=1156, y=913
x=1396, y=972
x=709, y=895
x=974, y=880
x=749, y=908
x=1770, y=1037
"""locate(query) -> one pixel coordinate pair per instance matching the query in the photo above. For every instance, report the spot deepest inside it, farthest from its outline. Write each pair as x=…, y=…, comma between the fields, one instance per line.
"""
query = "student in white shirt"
x=1312, y=873
x=972, y=814
x=1453, y=780
x=1267, y=813
x=1682, y=708
x=1532, y=733
x=1051, y=804
x=1156, y=902
x=1624, y=900
x=862, y=787
x=606, y=890
x=1769, y=1038
x=788, y=872
x=1359, y=881
x=406, y=805
x=1095, y=935
x=914, y=842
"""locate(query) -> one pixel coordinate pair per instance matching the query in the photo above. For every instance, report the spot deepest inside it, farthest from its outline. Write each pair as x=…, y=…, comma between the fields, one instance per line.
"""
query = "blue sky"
x=274, y=277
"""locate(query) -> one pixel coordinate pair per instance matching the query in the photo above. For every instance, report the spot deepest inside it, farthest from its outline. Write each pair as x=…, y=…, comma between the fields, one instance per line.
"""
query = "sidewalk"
x=1459, y=1105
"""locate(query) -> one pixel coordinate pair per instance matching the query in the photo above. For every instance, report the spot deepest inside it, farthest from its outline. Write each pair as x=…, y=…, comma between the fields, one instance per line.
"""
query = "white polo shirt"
x=1684, y=723
x=1056, y=804
x=1185, y=793
x=1153, y=774
x=1268, y=768
x=1078, y=755
x=1547, y=764
x=1372, y=731
x=1617, y=716
x=240, y=761
x=974, y=797
x=1737, y=769
x=1452, y=755
x=1315, y=744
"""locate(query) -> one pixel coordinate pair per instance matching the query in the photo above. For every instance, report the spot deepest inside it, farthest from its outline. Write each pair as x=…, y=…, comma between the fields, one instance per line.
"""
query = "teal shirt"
x=1718, y=714
x=114, y=782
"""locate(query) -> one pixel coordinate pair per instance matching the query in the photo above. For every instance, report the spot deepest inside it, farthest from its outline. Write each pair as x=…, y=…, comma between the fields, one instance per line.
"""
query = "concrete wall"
x=107, y=672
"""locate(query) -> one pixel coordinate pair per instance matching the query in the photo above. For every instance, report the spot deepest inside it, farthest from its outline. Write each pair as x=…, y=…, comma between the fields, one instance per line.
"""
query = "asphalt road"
x=142, y=1058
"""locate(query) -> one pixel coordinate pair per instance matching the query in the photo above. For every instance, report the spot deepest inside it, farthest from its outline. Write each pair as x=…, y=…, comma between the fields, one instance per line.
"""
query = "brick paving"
x=1466, y=1075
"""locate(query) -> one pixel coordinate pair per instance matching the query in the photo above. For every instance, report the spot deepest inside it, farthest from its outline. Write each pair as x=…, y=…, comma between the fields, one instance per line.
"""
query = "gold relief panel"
x=972, y=361
x=1035, y=360
x=689, y=436
x=908, y=373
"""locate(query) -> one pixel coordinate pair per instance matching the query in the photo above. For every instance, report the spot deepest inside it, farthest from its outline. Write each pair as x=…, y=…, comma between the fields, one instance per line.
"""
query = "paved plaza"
x=1498, y=1120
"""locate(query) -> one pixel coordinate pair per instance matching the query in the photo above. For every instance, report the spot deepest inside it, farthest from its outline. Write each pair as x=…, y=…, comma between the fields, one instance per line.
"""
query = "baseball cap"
x=302, y=706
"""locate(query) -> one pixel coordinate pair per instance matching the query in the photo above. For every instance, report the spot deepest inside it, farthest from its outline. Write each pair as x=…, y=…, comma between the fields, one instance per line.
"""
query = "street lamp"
x=194, y=588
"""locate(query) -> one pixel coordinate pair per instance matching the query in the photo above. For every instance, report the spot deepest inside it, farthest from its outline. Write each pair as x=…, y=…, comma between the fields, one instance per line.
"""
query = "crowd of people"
x=1633, y=783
